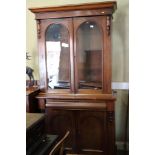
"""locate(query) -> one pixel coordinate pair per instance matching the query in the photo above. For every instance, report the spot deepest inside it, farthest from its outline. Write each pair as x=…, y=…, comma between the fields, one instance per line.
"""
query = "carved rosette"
x=39, y=29
x=108, y=25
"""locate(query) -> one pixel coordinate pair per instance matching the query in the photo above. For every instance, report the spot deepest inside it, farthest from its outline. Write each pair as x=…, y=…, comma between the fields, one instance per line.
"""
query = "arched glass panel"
x=89, y=56
x=58, y=57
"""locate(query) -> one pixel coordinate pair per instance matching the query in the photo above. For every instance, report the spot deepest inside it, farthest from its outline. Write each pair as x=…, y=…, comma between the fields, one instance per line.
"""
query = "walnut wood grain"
x=77, y=13
x=76, y=105
x=84, y=6
x=77, y=96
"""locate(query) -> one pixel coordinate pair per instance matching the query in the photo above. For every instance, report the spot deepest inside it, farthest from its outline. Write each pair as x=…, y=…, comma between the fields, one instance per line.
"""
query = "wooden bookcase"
x=74, y=45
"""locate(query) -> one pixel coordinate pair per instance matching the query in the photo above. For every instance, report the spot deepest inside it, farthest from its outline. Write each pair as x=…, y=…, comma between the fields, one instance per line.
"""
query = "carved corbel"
x=108, y=25
x=38, y=29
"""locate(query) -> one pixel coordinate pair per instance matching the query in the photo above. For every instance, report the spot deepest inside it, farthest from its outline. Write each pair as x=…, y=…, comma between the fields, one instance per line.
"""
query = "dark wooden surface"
x=34, y=131
x=88, y=114
x=37, y=141
x=46, y=145
x=31, y=101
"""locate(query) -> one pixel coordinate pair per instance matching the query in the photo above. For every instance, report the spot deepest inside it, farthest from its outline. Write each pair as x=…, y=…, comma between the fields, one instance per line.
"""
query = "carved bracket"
x=110, y=116
x=39, y=29
x=108, y=25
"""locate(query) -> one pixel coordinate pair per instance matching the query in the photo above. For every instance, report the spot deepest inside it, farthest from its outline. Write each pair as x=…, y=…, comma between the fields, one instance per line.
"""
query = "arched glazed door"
x=89, y=53
x=58, y=56
x=58, y=49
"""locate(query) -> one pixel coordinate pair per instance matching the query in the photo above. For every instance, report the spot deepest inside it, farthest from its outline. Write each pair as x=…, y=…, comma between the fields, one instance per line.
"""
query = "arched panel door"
x=91, y=132
x=89, y=49
x=58, y=47
x=59, y=122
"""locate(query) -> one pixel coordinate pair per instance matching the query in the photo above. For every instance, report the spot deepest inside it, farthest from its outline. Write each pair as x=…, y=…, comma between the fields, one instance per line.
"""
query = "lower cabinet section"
x=89, y=129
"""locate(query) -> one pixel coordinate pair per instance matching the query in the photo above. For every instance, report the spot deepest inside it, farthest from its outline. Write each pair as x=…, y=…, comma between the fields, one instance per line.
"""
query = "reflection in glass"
x=89, y=56
x=58, y=62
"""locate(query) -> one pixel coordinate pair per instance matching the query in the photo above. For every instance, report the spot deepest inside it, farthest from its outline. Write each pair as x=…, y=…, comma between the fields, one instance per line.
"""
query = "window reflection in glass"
x=58, y=62
x=89, y=56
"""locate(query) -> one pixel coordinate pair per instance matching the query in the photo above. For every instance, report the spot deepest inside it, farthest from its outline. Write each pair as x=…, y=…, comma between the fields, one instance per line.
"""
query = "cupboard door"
x=92, y=54
x=88, y=48
x=58, y=47
x=59, y=122
x=92, y=132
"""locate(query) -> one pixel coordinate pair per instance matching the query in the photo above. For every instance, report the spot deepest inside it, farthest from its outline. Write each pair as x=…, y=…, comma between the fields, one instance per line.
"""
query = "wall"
x=120, y=51
x=120, y=43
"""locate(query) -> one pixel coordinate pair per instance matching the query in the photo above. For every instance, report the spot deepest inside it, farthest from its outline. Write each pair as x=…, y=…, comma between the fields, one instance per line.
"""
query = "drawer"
x=76, y=105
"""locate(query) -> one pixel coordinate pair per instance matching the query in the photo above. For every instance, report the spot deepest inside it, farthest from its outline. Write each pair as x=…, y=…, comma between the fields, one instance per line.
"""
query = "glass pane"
x=89, y=56
x=58, y=57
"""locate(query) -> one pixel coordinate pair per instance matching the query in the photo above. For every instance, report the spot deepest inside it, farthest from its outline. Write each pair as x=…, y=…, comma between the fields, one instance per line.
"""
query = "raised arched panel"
x=59, y=122
x=62, y=122
x=91, y=129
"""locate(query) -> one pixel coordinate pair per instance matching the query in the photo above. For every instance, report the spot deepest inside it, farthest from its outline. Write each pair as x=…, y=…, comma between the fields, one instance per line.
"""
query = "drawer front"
x=76, y=105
